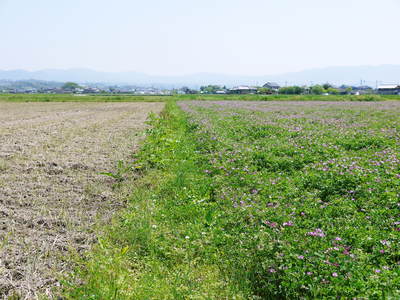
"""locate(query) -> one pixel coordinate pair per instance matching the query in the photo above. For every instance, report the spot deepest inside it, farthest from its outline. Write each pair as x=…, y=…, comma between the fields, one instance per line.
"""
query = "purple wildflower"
x=316, y=232
x=254, y=191
x=288, y=224
x=271, y=224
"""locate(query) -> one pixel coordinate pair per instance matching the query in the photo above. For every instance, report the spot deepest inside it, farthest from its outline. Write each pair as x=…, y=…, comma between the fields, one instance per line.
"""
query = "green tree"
x=264, y=91
x=210, y=89
x=332, y=91
x=327, y=86
x=187, y=90
x=317, y=90
x=70, y=86
x=291, y=90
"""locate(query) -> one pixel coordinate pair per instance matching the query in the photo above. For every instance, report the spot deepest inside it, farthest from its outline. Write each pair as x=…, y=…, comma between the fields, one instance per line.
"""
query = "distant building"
x=362, y=88
x=389, y=89
x=90, y=90
x=243, y=90
x=272, y=86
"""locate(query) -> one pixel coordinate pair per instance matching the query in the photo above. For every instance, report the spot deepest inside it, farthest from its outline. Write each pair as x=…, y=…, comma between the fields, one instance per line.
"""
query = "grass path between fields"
x=158, y=247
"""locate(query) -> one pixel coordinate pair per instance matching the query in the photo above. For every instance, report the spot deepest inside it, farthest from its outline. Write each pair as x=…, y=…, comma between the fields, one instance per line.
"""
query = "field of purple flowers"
x=304, y=196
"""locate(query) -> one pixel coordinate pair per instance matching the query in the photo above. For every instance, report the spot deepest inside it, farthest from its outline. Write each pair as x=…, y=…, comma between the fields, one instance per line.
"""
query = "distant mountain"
x=28, y=84
x=78, y=75
x=369, y=75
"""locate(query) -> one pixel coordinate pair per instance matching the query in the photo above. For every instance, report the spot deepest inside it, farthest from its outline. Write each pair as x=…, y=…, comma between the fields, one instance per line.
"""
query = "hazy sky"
x=169, y=37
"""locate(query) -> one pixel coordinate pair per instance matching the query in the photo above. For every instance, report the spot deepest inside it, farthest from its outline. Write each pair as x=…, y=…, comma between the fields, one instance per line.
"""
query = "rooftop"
x=388, y=87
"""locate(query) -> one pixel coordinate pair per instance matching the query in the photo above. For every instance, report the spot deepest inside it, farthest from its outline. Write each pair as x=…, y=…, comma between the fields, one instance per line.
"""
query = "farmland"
x=51, y=190
x=258, y=200
x=310, y=192
x=200, y=97
x=224, y=199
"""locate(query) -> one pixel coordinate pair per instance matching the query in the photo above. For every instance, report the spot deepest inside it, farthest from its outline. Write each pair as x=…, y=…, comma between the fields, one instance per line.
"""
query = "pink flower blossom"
x=316, y=232
x=271, y=224
x=288, y=224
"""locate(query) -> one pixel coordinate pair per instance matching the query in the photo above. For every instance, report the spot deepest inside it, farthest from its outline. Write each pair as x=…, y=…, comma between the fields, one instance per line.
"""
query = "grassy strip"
x=78, y=98
x=154, y=98
x=158, y=247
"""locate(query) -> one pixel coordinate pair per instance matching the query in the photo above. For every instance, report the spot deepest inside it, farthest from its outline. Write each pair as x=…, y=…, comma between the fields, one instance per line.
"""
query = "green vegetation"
x=257, y=200
x=157, y=248
x=70, y=86
x=291, y=90
x=131, y=98
x=211, y=89
x=317, y=90
x=264, y=91
x=308, y=196
x=78, y=98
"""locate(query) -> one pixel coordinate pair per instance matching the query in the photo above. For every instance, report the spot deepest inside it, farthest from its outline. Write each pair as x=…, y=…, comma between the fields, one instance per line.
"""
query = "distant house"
x=362, y=90
x=272, y=86
x=220, y=92
x=243, y=90
x=90, y=90
x=389, y=89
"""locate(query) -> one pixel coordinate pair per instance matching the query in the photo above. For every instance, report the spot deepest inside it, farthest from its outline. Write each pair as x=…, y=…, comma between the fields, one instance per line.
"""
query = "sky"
x=177, y=37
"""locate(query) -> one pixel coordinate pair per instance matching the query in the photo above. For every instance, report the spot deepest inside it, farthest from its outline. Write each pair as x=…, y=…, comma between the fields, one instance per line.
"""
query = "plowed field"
x=51, y=191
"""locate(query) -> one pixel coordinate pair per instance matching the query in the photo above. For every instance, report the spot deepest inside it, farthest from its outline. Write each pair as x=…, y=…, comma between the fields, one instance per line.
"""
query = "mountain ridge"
x=369, y=75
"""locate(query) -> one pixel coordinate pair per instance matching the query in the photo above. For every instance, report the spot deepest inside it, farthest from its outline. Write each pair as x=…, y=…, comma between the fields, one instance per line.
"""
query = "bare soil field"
x=51, y=191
